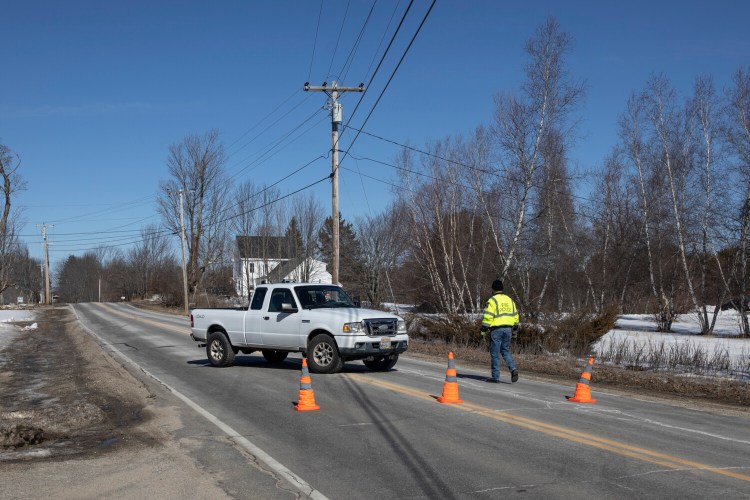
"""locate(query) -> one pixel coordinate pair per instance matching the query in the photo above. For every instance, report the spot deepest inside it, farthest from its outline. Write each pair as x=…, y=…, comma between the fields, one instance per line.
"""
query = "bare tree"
x=309, y=217
x=148, y=257
x=77, y=279
x=26, y=275
x=706, y=122
x=446, y=223
x=196, y=166
x=12, y=182
x=615, y=234
x=738, y=138
x=549, y=95
x=638, y=147
x=383, y=239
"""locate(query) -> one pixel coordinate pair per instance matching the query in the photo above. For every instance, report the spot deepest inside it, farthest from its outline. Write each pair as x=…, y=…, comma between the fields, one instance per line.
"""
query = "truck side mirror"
x=288, y=308
x=357, y=303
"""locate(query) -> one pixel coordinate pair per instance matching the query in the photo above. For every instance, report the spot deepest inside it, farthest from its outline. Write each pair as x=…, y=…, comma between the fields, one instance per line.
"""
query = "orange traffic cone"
x=306, y=395
x=450, y=387
x=583, y=392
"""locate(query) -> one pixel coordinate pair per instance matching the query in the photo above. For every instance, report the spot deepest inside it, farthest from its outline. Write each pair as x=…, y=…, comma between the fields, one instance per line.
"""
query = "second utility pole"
x=336, y=119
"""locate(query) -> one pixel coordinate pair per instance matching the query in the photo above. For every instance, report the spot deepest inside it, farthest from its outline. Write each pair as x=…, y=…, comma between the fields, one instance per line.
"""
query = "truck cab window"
x=280, y=296
x=258, y=296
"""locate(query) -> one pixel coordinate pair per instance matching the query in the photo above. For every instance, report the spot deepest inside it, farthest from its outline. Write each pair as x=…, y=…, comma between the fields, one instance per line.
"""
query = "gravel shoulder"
x=74, y=423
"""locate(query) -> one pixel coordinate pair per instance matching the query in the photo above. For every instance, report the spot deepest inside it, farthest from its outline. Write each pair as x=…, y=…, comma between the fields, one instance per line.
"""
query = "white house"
x=270, y=258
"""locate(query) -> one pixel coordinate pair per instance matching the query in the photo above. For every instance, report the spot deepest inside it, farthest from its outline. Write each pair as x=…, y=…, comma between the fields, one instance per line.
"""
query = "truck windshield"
x=315, y=296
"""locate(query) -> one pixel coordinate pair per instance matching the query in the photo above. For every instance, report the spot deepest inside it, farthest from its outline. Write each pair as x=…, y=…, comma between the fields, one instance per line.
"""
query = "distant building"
x=271, y=258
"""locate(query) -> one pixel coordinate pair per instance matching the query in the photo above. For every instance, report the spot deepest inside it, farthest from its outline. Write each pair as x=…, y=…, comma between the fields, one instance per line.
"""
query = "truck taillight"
x=192, y=323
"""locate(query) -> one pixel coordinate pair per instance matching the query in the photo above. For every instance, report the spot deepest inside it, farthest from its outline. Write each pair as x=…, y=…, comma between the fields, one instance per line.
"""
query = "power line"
x=393, y=73
x=343, y=22
x=350, y=58
x=294, y=93
x=380, y=44
x=455, y=162
x=315, y=43
x=267, y=153
x=387, y=49
x=166, y=232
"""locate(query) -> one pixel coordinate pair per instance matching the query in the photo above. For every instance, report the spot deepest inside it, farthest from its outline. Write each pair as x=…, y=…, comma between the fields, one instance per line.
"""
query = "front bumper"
x=362, y=346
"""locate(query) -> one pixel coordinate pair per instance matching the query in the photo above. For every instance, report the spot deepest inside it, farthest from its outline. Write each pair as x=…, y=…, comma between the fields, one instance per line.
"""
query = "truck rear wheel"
x=323, y=355
x=274, y=356
x=382, y=363
x=218, y=350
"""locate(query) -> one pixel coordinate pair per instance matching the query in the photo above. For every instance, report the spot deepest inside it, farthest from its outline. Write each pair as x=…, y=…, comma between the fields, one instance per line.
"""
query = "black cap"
x=497, y=285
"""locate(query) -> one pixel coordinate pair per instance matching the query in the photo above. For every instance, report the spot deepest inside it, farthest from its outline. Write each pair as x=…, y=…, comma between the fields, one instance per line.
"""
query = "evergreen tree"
x=350, y=253
x=293, y=240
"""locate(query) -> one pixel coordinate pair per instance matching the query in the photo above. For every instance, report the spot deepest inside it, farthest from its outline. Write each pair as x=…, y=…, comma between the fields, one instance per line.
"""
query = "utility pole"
x=46, y=263
x=336, y=119
x=182, y=245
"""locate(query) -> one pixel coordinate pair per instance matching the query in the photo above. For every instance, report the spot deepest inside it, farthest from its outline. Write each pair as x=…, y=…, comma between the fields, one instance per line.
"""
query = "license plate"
x=385, y=343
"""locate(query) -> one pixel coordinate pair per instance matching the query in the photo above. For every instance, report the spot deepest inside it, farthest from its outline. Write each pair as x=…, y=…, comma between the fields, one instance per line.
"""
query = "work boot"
x=492, y=380
x=514, y=376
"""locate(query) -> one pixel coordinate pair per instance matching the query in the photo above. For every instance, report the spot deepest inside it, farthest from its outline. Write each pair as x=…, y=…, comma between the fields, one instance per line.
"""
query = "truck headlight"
x=401, y=328
x=354, y=327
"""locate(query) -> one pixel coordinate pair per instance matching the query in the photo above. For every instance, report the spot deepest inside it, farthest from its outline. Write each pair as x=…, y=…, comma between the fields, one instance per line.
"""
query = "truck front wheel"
x=323, y=355
x=218, y=350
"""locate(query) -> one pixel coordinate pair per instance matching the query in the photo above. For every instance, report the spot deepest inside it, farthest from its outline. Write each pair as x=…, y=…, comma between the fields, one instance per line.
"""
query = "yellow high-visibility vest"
x=500, y=311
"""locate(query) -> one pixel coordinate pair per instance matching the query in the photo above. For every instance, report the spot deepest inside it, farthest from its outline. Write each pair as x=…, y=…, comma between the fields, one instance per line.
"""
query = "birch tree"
x=548, y=97
x=706, y=122
x=738, y=138
x=447, y=224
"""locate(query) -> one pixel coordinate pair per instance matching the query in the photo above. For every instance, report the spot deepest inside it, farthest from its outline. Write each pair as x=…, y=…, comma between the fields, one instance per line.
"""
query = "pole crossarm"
x=333, y=88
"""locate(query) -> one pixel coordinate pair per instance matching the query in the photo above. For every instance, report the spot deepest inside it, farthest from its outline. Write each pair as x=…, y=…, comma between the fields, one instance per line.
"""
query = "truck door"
x=253, y=316
x=280, y=327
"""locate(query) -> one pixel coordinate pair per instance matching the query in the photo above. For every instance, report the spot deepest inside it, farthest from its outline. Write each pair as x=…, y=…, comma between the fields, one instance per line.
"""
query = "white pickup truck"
x=320, y=321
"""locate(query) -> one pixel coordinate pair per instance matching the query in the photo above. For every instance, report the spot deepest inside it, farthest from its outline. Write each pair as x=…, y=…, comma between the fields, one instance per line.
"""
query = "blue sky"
x=93, y=93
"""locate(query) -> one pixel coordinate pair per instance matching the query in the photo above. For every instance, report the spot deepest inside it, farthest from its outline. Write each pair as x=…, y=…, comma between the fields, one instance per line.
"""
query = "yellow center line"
x=166, y=326
x=619, y=448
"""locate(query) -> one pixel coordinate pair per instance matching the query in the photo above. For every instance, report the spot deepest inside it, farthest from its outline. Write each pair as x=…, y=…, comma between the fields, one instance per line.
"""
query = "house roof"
x=283, y=270
x=263, y=247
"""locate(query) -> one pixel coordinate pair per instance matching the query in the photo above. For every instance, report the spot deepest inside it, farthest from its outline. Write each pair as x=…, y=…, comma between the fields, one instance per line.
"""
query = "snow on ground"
x=685, y=328
x=9, y=330
x=640, y=329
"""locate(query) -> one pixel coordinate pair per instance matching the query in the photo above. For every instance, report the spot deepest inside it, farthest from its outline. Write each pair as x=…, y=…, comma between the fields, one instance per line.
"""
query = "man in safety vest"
x=500, y=319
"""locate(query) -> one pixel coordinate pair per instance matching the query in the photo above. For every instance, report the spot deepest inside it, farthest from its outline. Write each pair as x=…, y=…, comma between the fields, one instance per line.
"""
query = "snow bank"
x=9, y=330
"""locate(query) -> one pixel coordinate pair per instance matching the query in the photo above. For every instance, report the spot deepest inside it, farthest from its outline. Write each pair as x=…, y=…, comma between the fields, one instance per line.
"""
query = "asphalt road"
x=383, y=435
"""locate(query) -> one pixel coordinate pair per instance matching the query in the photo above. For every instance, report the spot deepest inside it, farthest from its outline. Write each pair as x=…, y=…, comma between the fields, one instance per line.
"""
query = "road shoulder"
x=108, y=431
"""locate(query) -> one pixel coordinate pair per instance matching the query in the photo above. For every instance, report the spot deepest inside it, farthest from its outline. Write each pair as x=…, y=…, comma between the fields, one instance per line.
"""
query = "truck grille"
x=381, y=327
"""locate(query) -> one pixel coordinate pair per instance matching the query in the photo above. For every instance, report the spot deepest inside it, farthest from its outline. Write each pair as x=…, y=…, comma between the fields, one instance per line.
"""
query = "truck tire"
x=381, y=364
x=218, y=350
x=323, y=355
x=274, y=356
